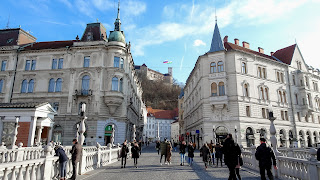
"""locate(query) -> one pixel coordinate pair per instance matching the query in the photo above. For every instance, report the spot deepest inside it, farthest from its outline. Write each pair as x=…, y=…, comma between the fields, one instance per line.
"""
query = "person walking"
x=205, y=153
x=175, y=144
x=212, y=150
x=218, y=154
x=63, y=159
x=183, y=152
x=318, y=154
x=158, y=146
x=169, y=152
x=135, y=154
x=190, y=153
x=231, y=151
x=163, y=148
x=76, y=152
x=123, y=154
x=266, y=158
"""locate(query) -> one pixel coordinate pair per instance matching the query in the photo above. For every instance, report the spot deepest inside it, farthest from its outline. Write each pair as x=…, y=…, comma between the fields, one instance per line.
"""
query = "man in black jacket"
x=264, y=155
x=76, y=152
x=318, y=154
x=231, y=151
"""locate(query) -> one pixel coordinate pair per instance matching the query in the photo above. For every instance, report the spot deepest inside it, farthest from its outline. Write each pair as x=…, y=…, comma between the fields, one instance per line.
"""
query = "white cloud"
x=198, y=42
x=133, y=7
x=198, y=19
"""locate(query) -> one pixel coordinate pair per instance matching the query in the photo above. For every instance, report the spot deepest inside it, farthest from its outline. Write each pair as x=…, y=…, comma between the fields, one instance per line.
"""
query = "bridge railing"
x=44, y=165
x=292, y=164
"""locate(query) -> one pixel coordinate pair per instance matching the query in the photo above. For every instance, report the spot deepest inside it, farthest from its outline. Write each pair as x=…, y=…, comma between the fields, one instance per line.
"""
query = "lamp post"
x=273, y=131
x=236, y=133
x=82, y=127
x=214, y=134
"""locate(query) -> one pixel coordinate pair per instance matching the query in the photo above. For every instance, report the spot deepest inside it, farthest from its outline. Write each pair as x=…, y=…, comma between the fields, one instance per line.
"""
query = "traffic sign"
x=197, y=131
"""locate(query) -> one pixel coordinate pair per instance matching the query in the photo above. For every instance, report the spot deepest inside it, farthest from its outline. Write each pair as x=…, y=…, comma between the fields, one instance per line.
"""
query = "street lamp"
x=214, y=134
x=236, y=133
x=273, y=131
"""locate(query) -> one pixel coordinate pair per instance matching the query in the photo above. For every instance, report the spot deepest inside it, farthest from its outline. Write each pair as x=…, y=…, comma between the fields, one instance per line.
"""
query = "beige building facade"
x=232, y=88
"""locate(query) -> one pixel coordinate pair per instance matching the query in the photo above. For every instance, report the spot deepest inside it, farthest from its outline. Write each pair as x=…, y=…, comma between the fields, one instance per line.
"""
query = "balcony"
x=83, y=92
x=113, y=99
x=219, y=102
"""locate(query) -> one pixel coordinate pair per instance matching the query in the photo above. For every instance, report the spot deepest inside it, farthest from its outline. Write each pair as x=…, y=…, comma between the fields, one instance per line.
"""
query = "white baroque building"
x=231, y=88
x=96, y=70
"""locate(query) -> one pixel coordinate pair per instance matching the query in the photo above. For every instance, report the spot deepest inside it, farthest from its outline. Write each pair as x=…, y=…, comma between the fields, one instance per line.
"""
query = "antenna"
x=8, y=22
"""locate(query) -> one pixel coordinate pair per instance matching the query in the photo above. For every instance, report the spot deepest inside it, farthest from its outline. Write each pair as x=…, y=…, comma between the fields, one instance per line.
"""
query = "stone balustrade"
x=292, y=163
x=31, y=163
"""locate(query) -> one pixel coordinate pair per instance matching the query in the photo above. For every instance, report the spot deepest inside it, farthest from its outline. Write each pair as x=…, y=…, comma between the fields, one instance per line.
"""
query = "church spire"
x=216, y=43
x=117, y=23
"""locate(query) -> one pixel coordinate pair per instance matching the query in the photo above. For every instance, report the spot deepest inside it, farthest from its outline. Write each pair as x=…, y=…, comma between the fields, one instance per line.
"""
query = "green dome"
x=117, y=36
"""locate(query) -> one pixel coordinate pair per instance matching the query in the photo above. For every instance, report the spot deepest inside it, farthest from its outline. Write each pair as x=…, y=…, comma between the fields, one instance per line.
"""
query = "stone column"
x=32, y=130
x=39, y=132
x=14, y=138
x=1, y=128
x=49, y=134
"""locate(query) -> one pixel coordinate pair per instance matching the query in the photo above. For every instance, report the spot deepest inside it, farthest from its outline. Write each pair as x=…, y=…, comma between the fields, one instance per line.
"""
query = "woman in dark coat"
x=218, y=149
x=169, y=152
x=135, y=154
x=63, y=159
x=123, y=154
x=190, y=153
x=205, y=154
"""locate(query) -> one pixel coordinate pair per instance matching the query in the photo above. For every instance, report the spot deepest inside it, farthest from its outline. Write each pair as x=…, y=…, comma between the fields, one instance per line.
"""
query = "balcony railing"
x=83, y=92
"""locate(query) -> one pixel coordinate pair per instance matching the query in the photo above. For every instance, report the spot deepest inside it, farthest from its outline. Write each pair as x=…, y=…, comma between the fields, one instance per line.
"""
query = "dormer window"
x=89, y=36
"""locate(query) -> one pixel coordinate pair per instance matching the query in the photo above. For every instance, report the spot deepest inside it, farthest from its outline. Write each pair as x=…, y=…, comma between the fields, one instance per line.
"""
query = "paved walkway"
x=149, y=168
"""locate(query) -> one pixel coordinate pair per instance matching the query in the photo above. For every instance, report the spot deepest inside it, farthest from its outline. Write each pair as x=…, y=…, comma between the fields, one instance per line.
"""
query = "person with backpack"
x=266, y=158
x=123, y=154
x=231, y=151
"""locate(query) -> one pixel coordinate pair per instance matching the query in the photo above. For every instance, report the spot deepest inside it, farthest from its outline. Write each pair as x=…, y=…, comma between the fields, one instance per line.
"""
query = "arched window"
x=280, y=96
x=221, y=89
x=278, y=76
x=284, y=97
x=24, y=86
x=214, y=91
x=213, y=67
x=116, y=61
x=59, y=85
x=246, y=90
x=266, y=93
x=30, y=86
x=262, y=93
x=51, y=85
x=220, y=66
x=244, y=68
x=85, y=86
x=121, y=85
x=1, y=85
x=115, y=85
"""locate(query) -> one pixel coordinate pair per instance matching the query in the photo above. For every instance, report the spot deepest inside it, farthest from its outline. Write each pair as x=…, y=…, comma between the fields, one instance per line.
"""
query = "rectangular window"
x=298, y=115
x=60, y=64
x=296, y=95
x=263, y=110
x=248, y=111
x=3, y=65
x=259, y=72
x=116, y=62
x=54, y=63
x=264, y=73
x=56, y=106
x=86, y=62
x=293, y=80
x=33, y=64
x=28, y=64
x=286, y=115
x=282, y=115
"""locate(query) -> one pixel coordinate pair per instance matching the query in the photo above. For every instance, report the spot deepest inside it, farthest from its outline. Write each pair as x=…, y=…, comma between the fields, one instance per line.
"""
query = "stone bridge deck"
x=149, y=168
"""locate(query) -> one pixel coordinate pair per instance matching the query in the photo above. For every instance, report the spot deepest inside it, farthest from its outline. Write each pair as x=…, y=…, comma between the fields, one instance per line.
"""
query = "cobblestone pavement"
x=149, y=168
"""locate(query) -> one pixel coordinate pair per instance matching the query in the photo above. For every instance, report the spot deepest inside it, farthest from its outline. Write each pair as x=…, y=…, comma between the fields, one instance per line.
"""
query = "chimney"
x=236, y=41
x=225, y=39
x=261, y=50
x=245, y=44
x=271, y=53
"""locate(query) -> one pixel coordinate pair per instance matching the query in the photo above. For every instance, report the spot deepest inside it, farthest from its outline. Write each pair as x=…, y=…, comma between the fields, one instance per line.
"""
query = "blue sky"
x=175, y=30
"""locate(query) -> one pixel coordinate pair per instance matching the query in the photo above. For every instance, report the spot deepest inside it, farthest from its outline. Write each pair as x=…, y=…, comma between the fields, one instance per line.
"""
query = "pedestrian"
x=135, y=154
x=231, y=151
x=123, y=154
x=163, y=148
x=169, y=152
x=175, y=144
x=140, y=146
x=266, y=158
x=76, y=152
x=158, y=146
x=190, y=153
x=212, y=150
x=183, y=152
x=205, y=153
x=63, y=159
x=218, y=154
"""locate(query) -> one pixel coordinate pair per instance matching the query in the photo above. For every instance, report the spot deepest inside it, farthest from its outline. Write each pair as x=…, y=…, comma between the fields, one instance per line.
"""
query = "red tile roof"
x=285, y=54
x=162, y=114
x=49, y=45
x=231, y=46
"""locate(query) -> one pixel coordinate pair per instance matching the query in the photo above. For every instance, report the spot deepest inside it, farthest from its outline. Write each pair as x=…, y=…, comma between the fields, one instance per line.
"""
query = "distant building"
x=175, y=131
x=182, y=127
x=155, y=75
